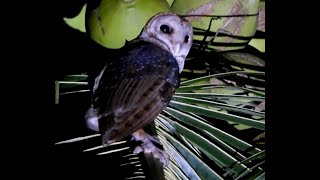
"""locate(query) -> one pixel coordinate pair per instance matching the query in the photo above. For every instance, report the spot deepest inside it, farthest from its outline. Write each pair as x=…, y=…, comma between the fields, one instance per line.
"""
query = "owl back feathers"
x=132, y=89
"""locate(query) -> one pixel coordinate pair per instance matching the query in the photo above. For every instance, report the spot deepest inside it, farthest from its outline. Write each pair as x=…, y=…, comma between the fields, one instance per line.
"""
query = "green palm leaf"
x=192, y=140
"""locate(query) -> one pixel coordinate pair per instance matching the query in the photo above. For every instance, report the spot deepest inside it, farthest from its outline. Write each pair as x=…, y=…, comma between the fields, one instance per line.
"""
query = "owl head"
x=171, y=33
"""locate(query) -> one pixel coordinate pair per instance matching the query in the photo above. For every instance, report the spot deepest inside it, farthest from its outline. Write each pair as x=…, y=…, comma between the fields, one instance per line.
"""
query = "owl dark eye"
x=165, y=29
x=186, y=39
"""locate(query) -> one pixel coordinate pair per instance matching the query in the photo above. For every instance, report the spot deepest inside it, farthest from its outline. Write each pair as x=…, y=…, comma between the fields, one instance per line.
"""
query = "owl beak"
x=180, y=61
x=176, y=49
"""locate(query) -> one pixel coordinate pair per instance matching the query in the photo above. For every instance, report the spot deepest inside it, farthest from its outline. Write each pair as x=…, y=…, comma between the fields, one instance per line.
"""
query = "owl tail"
x=92, y=119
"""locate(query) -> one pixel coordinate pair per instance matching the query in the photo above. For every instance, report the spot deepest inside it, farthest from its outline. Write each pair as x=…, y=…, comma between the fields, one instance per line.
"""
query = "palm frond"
x=192, y=133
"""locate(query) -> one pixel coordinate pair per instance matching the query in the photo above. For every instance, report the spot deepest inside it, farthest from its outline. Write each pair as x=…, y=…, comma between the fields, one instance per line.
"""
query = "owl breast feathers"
x=132, y=90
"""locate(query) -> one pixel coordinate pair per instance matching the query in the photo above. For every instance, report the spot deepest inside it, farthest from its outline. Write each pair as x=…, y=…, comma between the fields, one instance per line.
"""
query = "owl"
x=139, y=81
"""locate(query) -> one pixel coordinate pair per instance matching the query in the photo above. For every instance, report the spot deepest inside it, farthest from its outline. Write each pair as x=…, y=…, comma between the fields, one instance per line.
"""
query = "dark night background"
x=40, y=48
x=72, y=52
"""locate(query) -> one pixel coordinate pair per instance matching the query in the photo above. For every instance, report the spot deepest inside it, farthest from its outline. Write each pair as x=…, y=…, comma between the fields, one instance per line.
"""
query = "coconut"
x=113, y=22
x=231, y=32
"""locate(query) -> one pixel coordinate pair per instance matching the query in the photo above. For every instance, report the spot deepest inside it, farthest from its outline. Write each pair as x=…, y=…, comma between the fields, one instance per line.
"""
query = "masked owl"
x=137, y=83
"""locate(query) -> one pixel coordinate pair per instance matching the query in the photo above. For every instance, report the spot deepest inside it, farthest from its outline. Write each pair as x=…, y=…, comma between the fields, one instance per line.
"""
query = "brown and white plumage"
x=138, y=83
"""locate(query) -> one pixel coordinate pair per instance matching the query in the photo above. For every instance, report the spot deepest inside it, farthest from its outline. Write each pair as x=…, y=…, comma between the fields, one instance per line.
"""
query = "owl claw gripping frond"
x=147, y=146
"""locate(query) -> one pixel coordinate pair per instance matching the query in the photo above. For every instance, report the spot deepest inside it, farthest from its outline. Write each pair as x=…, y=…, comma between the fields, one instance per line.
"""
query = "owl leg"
x=147, y=146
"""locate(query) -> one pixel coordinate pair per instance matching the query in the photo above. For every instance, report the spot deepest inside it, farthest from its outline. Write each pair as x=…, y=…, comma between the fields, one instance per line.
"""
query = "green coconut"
x=260, y=43
x=170, y=2
x=113, y=22
x=77, y=22
x=245, y=26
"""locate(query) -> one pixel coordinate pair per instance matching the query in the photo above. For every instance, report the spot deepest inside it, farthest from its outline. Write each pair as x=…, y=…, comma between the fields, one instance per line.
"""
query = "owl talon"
x=154, y=139
x=147, y=146
x=148, y=138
